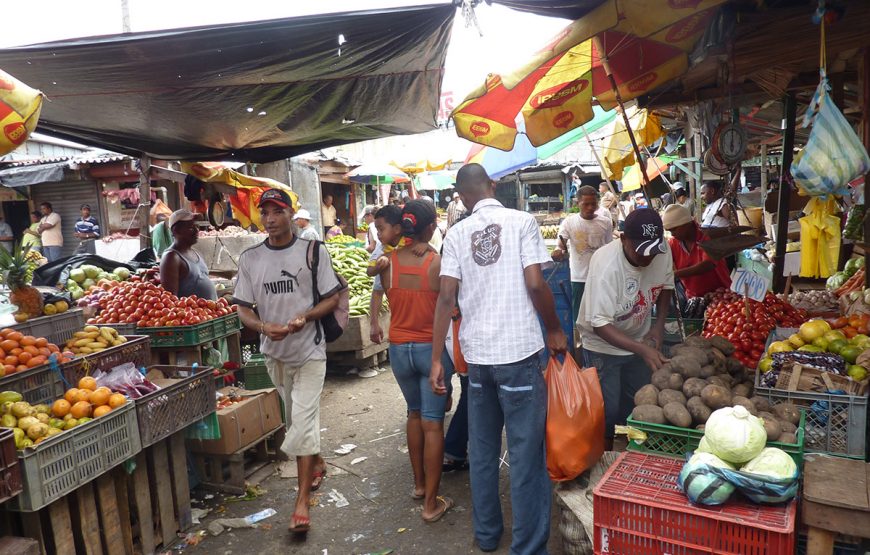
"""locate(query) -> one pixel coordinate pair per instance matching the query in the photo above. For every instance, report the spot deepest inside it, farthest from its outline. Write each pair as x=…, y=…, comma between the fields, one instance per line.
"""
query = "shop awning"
x=33, y=175
x=256, y=91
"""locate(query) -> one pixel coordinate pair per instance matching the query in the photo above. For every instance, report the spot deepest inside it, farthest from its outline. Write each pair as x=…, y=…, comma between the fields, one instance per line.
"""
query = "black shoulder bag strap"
x=313, y=263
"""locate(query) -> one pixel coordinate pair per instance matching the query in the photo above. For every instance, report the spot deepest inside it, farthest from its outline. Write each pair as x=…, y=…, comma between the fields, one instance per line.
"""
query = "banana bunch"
x=351, y=263
x=550, y=231
x=341, y=239
x=93, y=340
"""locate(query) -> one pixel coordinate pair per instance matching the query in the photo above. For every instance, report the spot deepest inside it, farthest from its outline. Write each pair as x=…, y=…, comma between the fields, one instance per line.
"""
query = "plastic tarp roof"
x=257, y=91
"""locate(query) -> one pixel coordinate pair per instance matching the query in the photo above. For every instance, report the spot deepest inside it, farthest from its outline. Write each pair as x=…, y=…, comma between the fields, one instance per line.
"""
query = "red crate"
x=640, y=510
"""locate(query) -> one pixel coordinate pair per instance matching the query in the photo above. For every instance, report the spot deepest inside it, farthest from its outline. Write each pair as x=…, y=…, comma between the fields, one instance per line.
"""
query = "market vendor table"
x=118, y=249
x=221, y=254
x=836, y=500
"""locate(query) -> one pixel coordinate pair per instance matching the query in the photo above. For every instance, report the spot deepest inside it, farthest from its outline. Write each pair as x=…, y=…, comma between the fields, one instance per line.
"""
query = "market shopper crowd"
x=476, y=306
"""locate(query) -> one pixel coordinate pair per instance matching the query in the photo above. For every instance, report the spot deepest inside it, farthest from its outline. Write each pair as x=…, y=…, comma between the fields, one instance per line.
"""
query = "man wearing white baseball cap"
x=625, y=279
x=302, y=219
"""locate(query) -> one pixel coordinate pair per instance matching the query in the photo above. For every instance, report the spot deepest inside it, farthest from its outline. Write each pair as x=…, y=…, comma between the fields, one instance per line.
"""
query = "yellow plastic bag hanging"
x=19, y=112
x=820, y=239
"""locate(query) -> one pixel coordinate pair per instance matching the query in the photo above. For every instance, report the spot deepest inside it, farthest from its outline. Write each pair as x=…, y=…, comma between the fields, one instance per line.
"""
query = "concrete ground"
x=380, y=516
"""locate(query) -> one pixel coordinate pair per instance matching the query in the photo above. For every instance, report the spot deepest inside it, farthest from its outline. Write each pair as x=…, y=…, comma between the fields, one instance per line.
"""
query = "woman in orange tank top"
x=411, y=284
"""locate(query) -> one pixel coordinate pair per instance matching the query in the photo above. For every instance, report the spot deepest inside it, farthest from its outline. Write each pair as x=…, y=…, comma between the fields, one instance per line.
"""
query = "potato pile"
x=702, y=377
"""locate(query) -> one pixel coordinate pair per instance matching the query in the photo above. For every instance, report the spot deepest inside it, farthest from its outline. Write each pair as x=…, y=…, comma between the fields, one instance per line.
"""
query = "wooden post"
x=864, y=76
x=782, y=209
x=145, y=200
x=763, y=174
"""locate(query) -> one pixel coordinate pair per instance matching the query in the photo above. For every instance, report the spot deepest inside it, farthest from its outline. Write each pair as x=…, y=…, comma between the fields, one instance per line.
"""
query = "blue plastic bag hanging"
x=833, y=155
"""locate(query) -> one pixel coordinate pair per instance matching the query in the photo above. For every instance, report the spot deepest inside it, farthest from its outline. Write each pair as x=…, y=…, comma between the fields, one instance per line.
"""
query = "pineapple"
x=15, y=266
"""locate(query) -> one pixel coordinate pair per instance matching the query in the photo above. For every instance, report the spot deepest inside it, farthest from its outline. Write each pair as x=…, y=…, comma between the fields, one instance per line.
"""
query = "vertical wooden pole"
x=782, y=209
x=144, y=201
x=864, y=76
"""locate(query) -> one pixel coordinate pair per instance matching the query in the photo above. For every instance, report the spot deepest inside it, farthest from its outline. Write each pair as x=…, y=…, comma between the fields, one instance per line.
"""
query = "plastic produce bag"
x=834, y=155
x=19, y=112
x=575, y=419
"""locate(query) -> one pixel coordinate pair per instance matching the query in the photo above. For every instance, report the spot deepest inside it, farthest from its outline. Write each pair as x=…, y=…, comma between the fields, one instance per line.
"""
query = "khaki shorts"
x=300, y=388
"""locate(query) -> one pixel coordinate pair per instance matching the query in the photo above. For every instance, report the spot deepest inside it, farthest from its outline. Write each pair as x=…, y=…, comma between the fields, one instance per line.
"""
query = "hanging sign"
x=746, y=282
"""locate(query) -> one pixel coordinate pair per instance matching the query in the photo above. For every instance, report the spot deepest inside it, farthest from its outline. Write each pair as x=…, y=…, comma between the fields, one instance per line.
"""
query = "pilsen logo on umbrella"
x=688, y=27
x=563, y=119
x=558, y=95
x=16, y=133
x=642, y=82
x=480, y=128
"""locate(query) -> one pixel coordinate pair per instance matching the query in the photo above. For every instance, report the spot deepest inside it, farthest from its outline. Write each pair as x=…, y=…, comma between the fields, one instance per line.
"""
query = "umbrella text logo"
x=688, y=27
x=563, y=119
x=480, y=128
x=643, y=82
x=15, y=132
x=558, y=95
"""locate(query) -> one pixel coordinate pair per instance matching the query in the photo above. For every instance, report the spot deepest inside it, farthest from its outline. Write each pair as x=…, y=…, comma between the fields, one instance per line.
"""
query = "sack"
x=331, y=326
x=834, y=155
x=575, y=419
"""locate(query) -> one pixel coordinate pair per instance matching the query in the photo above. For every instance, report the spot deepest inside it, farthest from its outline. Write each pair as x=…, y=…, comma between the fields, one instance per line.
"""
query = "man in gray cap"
x=626, y=278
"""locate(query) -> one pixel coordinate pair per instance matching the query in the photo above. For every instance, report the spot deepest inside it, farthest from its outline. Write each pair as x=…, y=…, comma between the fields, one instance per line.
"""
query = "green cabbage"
x=734, y=435
x=711, y=460
x=772, y=462
x=703, y=446
x=836, y=280
x=703, y=486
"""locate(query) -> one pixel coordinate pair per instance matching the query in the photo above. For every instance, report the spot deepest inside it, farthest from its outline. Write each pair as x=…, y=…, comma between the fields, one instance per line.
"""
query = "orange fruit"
x=5, y=331
x=36, y=361
x=104, y=388
x=116, y=400
x=8, y=368
x=81, y=395
x=21, y=368
x=41, y=342
x=44, y=351
x=11, y=360
x=101, y=410
x=31, y=349
x=53, y=348
x=70, y=395
x=88, y=382
x=28, y=340
x=60, y=408
x=16, y=351
x=24, y=357
x=98, y=398
x=8, y=345
x=16, y=336
x=81, y=409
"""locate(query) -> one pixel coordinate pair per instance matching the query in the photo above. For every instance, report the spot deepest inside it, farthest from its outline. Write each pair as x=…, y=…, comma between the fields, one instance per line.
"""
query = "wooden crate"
x=118, y=512
x=803, y=378
x=227, y=473
x=356, y=334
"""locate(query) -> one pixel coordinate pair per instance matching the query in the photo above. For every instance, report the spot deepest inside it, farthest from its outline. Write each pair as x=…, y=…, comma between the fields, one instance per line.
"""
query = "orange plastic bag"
x=575, y=419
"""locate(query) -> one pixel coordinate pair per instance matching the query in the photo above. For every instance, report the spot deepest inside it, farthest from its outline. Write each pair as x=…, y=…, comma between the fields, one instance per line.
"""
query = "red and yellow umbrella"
x=641, y=44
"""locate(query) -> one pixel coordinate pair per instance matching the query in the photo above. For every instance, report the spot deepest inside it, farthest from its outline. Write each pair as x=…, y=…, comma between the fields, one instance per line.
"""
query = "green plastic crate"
x=673, y=441
x=257, y=377
x=192, y=336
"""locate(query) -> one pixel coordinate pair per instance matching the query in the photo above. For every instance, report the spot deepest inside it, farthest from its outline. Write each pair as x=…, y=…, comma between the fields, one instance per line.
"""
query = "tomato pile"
x=749, y=334
x=150, y=306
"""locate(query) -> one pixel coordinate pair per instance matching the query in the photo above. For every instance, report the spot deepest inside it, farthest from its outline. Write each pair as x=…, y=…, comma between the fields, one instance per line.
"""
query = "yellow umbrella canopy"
x=619, y=153
x=642, y=44
x=19, y=112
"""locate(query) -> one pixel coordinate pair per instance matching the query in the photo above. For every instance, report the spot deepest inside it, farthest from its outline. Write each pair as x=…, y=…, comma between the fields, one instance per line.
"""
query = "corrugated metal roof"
x=89, y=158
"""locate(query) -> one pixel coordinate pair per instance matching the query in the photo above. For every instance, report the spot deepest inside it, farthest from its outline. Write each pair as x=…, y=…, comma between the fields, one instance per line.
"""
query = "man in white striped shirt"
x=493, y=260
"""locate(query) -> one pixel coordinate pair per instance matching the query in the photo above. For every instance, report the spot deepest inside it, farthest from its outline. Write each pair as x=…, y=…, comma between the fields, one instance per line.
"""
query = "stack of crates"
x=257, y=377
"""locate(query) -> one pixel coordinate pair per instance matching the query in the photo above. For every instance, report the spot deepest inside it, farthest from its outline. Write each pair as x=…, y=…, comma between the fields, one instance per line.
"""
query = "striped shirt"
x=88, y=225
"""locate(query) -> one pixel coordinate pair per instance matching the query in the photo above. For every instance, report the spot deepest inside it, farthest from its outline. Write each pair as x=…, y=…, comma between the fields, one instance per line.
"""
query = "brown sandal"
x=448, y=504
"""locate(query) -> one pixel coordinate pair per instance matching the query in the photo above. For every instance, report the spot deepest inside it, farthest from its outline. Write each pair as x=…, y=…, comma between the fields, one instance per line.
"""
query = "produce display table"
x=184, y=344
x=221, y=254
x=355, y=347
x=836, y=500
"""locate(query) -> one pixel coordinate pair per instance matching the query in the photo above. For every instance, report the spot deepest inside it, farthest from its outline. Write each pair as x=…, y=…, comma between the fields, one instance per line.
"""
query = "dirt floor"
x=379, y=516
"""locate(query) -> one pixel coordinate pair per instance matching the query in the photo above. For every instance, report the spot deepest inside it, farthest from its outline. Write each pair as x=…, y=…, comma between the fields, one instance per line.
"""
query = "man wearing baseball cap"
x=183, y=271
x=275, y=294
x=692, y=266
x=626, y=278
x=302, y=219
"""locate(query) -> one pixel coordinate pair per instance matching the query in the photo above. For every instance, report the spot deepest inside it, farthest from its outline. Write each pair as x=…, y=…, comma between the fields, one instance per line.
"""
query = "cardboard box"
x=242, y=424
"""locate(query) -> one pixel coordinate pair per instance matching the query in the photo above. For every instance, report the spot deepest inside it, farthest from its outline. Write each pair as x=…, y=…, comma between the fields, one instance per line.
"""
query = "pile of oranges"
x=87, y=401
x=19, y=352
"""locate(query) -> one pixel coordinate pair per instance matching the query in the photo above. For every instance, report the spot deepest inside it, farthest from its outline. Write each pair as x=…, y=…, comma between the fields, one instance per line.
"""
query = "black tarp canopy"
x=256, y=91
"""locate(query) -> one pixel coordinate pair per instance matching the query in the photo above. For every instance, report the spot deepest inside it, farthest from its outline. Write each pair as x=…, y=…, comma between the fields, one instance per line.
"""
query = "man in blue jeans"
x=626, y=278
x=493, y=260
